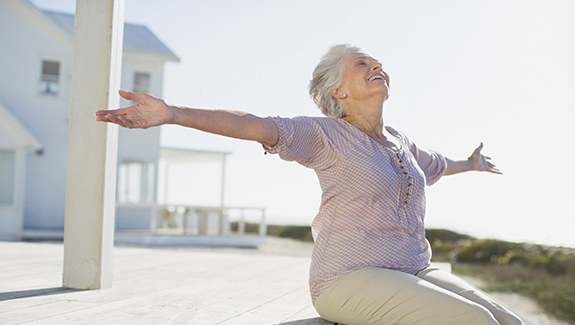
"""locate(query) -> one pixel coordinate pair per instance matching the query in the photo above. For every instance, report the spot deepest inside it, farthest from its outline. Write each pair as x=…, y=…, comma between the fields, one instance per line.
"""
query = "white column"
x=263, y=227
x=224, y=222
x=92, y=146
x=223, y=180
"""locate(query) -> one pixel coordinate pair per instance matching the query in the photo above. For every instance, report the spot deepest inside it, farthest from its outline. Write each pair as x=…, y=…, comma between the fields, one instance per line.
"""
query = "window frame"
x=14, y=196
x=59, y=81
x=135, y=87
x=147, y=180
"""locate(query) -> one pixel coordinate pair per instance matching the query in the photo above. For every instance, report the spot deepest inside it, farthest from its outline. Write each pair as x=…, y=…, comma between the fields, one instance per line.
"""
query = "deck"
x=198, y=286
x=158, y=286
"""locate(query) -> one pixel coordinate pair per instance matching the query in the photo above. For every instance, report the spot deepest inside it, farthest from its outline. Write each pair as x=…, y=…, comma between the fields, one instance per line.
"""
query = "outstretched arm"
x=151, y=111
x=476, y=161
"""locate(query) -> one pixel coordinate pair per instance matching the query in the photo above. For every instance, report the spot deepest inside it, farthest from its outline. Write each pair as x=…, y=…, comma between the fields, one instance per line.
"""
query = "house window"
x=7, y=175
x=50, y=79
x=136, y=182
x=141, y=82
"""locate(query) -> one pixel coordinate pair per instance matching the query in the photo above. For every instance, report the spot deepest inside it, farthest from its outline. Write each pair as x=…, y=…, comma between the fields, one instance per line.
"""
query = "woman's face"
x=364, y=78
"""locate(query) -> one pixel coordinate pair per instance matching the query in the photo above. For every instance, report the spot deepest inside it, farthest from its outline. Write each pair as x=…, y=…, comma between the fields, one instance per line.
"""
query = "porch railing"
x=207, y=220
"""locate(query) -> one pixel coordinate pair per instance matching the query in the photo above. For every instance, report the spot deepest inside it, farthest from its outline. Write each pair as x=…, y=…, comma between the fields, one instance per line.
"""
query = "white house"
x=35, y=85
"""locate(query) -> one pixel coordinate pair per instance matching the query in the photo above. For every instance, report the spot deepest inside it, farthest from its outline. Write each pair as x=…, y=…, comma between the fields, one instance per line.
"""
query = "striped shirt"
x=373, y=198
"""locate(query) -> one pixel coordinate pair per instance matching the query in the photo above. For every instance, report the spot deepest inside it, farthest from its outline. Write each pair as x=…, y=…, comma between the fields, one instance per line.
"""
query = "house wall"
x=30, y=40
x=11, y=214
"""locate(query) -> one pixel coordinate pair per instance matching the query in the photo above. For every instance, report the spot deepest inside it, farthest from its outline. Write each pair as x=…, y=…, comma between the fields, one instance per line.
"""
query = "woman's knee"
x=502, y=315
x=480, y=315
x=508, y=319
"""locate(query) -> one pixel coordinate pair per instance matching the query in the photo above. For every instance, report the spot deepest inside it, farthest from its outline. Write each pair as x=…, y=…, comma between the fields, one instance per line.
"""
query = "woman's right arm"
x=151, y=111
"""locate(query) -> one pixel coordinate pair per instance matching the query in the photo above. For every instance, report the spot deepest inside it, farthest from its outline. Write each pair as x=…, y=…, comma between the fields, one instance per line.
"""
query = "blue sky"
x=462, y=72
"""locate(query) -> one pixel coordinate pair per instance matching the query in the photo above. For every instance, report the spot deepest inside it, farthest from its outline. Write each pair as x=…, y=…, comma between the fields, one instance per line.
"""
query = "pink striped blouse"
x=373, y=198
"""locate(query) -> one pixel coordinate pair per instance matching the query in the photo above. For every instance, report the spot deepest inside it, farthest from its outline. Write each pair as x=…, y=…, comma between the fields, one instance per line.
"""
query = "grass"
x=544, y=273
x=554, y=293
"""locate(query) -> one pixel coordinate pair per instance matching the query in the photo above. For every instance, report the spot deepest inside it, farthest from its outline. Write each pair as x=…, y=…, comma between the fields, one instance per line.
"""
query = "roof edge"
x=18, y=129
x=132, y=54
x=47, y=19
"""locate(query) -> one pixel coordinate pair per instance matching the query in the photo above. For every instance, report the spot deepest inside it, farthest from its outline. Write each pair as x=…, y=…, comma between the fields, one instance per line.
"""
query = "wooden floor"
x=176, y=286
x=158, y=286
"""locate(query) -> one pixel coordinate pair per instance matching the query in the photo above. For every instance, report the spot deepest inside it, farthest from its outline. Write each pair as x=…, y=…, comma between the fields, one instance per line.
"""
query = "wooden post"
x=92, y=146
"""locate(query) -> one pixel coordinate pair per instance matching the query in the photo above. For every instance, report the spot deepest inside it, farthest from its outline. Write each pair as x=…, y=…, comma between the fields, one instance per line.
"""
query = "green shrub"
x=296, y=232
x=487, y=251
x=445, y=243
x=444, y=235
x=546, y=274
x=554, y=293
x=250, y=228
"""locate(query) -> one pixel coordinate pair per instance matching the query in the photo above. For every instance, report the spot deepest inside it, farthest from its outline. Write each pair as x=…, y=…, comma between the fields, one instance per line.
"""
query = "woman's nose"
x=377, y=66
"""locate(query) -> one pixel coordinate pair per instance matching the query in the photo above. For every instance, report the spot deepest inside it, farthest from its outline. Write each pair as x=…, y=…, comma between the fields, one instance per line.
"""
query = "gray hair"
x=328, y=74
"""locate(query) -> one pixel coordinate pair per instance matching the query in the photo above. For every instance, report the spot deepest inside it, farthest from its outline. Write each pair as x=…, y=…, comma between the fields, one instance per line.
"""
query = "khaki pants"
x=381, y=296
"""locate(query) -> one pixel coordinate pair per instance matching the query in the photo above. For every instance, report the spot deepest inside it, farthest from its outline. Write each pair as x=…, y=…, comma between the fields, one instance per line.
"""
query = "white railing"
x=206, y=220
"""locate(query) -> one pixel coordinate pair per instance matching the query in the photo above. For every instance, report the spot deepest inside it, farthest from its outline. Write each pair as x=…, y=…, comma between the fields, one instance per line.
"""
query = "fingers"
x=478, y=149
x=483, y=163
x=127, y=123
x=126, y=95
x=105, y=112
x=130, y=95
x=119, y=111
x=116, y=120
x=121, y=120
x=493, y=169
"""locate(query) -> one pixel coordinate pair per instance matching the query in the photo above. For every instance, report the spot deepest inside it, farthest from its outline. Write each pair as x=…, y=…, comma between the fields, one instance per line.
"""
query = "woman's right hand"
x=148, y=112
x=151, y=111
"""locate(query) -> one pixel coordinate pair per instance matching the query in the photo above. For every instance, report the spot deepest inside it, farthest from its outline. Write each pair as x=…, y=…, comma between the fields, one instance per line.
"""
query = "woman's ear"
x=337, y=93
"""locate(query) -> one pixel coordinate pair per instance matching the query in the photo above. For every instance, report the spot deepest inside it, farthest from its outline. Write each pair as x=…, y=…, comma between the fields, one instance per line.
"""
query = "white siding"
x=11, y=214
x=30, y=41
x=31, y=36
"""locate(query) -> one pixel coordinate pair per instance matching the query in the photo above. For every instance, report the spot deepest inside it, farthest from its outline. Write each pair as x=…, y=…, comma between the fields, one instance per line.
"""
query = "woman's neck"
x=372, y=125
x=370, y=122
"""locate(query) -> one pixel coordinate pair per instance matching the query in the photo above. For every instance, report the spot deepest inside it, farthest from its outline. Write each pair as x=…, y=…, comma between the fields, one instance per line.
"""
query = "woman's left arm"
x=476, y=161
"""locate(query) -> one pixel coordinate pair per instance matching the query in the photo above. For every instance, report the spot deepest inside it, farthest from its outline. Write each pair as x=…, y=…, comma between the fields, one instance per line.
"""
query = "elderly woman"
x=371, y=261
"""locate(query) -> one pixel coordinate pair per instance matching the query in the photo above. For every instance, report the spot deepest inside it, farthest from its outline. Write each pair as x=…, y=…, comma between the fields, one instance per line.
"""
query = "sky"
x=501, y=72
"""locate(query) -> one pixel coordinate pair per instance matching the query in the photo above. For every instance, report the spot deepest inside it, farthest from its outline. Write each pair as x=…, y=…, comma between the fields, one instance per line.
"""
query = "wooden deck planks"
x=307, y=316
x=157, y=286
x=282, y=307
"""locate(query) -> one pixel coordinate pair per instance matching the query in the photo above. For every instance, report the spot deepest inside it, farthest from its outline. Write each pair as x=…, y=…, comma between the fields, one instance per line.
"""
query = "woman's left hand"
x=481, y=163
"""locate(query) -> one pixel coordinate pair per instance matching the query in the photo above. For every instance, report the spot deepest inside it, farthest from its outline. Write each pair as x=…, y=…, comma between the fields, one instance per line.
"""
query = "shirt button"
x=406, y=174
x=408, y=184
x=406, y=194
x=405, y=202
